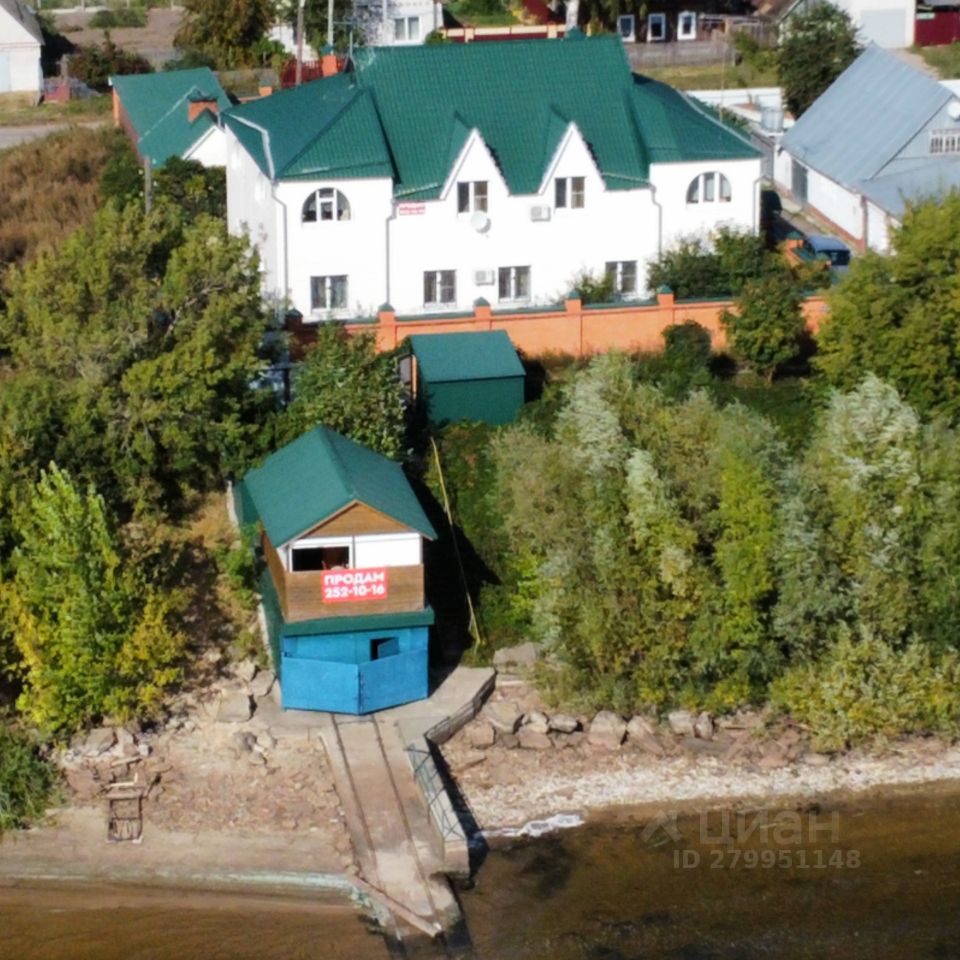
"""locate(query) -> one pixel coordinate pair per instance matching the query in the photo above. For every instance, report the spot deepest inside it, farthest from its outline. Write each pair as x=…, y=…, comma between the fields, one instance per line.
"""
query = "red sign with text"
x=341, y=586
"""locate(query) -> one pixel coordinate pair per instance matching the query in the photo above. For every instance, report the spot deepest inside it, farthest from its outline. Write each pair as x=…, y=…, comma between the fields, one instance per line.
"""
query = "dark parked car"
x=836, y=251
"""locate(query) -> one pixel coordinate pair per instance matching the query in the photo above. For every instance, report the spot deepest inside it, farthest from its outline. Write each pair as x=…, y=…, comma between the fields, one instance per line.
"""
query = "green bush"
x=27, y=779
x=121, y=17
x=864, y=691
x=95, y=65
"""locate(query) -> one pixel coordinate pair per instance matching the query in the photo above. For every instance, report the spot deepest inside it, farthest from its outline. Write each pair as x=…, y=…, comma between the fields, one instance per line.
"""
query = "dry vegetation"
x=50, y=187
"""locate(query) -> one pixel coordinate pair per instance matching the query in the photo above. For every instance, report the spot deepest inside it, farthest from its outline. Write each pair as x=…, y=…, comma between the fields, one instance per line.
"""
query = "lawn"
x=76, y=111
x=945, y=60
x=713, y=76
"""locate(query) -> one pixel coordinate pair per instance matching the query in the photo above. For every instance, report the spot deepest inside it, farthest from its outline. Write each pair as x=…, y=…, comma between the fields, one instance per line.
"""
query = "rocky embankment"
x=518, y=761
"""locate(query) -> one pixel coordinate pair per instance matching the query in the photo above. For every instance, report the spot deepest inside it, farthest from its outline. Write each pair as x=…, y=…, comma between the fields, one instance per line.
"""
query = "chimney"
x=197, y=105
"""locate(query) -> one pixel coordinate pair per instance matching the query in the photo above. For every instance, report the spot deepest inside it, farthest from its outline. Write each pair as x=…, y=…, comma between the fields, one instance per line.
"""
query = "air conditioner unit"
x=539, y=213
x=482, y=277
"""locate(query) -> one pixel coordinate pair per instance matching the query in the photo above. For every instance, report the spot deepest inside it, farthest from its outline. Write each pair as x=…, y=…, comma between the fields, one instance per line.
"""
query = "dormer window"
x=325, y=204
x=569, y=192
x=709, y=188
x=471, y=196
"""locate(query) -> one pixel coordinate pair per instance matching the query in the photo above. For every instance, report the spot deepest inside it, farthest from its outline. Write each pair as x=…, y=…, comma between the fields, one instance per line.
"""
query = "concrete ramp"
x=393, y=824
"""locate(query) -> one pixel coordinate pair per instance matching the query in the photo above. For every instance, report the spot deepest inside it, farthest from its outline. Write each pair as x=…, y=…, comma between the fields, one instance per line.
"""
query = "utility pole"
x=147, y=184
x=300, y=6
x=330, y=24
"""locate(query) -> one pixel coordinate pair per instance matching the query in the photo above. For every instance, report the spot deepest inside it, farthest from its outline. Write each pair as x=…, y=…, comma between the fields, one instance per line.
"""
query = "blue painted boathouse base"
x=348, y=664
x=354, y=672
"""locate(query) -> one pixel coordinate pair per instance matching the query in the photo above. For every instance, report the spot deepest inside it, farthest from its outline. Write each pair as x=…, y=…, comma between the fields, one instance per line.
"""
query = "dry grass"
x=50, y=187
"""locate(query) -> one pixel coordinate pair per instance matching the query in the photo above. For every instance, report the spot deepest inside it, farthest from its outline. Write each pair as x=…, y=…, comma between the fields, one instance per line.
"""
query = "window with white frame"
x=514, y=283
x=709, y=188
x=328, y=293
x=569, y=192
x=471, y=196
x=623, y=273
x=325, y=204
x=321, y=553
x=406, y=28
x=439, y=287
x=945, y=141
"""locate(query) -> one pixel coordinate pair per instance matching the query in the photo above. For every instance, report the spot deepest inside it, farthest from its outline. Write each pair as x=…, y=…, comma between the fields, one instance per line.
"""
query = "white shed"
x=20, y=43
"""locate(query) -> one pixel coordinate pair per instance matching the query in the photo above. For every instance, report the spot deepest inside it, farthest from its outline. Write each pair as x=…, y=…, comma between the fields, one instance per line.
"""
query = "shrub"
x=27, y=779
x=121, y=17
x=863, y=690
x=95, y=65
x=594, y=289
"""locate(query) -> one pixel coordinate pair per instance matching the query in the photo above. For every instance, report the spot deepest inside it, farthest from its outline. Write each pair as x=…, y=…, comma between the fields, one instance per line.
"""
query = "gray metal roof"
x=908, y=180
x=865, y=117
x=24, y=16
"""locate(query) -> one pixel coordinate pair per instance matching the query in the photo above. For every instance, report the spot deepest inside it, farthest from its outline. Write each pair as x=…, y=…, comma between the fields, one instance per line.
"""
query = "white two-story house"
x=429, y=177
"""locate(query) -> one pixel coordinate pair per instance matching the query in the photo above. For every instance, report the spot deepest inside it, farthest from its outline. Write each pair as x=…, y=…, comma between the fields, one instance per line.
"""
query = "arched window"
x=709, y=188
x=325, y=204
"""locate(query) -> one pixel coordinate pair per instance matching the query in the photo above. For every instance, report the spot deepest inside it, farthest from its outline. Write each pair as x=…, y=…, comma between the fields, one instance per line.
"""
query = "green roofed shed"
x=468, y=376
x=321, y=473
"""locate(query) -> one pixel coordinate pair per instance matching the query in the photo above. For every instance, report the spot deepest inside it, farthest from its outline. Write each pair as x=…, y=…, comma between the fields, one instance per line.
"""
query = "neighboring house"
x=342, y=534
x=466, y=376
x=20, y=43
x=428, y=177
x=882, y=135
x=173, y=114
x=387, y=23
x=887, y=23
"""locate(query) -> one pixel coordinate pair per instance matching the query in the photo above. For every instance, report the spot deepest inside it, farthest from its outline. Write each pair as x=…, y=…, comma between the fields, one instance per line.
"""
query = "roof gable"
x=321, y=473
x=447, y=357
x=24, y=19
x=157, y=105
x=869, y=113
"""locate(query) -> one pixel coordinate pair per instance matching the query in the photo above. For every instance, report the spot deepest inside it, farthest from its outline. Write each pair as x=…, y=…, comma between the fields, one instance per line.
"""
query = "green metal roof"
x=406, y=112
x=157, y=107
x=327, y=128
x=445, y=357
x=320, y=473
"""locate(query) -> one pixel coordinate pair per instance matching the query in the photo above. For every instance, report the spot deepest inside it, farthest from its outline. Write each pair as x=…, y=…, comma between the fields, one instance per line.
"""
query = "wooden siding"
x=357, y=520
x=304, y=598
x=301, y=596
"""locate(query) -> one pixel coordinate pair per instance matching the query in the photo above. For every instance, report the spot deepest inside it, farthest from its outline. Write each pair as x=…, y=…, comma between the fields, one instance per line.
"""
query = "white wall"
x=682, y=219
x=878, y=228
x=19, y=59
x=888, y=23
x=381, y=31
x=842, y=207
x=210, y=149
x=388, y=243
x=251, y=210
x=355, y=248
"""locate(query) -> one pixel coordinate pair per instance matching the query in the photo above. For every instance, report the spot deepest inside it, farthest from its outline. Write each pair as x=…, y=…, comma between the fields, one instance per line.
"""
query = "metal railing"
x=440, y=808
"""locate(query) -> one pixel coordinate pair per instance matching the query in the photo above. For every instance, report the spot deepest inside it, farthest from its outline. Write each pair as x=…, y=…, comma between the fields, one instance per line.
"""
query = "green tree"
x=94, y=65
x=147, y=334
x=227, y=30
x=898, y=315
x=815, y=48
x=345, y=384
x=692, y=268
x=96, y=637
x=766, y=328
x=27, y=779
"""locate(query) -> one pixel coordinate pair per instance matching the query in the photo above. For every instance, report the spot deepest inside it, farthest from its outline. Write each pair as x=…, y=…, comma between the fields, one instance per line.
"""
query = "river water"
x=877, y=878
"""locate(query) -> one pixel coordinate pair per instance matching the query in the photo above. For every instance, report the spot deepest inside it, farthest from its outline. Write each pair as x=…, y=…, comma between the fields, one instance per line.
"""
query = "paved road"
x=14, y=136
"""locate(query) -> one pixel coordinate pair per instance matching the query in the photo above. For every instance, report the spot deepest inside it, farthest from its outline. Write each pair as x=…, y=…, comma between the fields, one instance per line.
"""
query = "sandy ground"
x=250, y=803
x=153, y=40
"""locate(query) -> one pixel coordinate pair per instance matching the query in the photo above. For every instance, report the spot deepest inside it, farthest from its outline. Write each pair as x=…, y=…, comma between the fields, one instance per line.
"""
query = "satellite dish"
x=480, y=221
x=953, y=109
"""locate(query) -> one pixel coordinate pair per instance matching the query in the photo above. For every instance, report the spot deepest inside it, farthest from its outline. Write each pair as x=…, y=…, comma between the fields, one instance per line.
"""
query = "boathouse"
x=467, y=376
x=342, y=535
